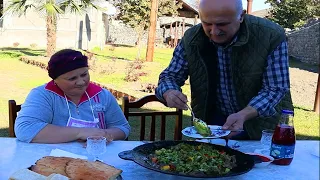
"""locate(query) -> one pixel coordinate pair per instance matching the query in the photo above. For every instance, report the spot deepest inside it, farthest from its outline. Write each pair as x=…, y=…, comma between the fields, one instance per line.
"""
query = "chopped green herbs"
x=193, y=159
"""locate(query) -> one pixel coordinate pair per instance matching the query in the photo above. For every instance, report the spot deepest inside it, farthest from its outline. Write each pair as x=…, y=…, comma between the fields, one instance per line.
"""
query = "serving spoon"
x=193, y=116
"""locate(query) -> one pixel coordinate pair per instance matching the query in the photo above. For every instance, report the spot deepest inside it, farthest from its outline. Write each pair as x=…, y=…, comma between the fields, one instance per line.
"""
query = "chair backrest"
x=127, y=105
x=13, y=110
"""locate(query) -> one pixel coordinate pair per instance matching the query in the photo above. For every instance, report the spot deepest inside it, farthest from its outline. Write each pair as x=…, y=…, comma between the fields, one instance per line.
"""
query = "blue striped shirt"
x=275, y=81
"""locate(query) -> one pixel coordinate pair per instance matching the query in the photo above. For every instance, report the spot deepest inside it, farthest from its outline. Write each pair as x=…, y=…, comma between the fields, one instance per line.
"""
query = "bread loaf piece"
x=26, y=174
x=49, y=164
x=75, y=169
x=79, y=169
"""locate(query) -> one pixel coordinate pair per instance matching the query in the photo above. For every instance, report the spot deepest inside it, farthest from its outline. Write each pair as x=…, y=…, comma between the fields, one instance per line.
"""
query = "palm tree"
x=51, y=10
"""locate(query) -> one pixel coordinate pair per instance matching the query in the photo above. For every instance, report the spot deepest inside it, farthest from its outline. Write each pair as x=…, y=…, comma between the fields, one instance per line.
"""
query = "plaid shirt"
x=274, y=86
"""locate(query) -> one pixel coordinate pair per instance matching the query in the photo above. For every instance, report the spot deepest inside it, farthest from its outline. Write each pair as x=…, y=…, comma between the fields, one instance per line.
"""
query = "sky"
x=256, y=5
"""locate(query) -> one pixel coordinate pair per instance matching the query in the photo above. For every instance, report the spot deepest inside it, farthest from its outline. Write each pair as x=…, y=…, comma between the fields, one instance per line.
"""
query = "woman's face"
x=74, y=83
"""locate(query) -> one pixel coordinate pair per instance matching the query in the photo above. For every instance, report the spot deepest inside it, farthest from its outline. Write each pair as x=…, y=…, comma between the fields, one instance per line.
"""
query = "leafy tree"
x=136, y=14
x=292, y=13
x=51, y=9
x=1, y=8
x=314, y=8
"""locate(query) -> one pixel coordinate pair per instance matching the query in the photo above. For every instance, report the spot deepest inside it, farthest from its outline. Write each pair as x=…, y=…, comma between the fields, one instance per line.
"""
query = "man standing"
x=238, y=70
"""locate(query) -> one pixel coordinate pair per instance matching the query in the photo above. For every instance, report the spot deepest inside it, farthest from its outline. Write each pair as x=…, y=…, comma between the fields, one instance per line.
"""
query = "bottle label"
x=282, y=151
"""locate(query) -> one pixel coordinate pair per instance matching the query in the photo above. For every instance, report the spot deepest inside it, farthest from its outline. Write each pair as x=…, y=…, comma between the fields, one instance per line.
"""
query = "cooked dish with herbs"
x=193, y=159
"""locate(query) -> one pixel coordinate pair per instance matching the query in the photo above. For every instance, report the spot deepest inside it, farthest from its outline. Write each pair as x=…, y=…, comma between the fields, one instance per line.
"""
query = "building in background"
x=263, y=13
x=92, y=29
x=73, y=31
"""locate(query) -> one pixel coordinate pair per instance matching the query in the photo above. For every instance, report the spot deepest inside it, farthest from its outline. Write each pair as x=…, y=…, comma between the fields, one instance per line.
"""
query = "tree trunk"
x=152, y=30
x=139, y=31
x=51, y=34
x=139, y=45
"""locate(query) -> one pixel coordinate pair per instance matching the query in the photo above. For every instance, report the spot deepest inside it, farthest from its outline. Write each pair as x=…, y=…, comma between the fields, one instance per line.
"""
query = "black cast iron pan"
x=141, y=153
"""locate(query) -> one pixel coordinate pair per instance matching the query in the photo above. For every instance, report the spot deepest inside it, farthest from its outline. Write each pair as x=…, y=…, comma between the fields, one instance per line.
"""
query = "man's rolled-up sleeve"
x=276, y=82
x=174, y=76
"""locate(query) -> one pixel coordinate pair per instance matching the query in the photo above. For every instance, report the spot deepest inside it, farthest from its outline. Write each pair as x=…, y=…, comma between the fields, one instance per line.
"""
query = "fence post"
x=317, y=99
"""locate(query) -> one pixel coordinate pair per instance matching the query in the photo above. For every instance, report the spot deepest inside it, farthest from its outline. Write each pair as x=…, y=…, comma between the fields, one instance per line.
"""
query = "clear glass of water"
x=266, y=138
x=96, y=145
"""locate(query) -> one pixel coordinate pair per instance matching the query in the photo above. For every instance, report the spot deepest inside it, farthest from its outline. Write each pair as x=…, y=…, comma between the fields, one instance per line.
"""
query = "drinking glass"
x=266, y=138
x=96, y=145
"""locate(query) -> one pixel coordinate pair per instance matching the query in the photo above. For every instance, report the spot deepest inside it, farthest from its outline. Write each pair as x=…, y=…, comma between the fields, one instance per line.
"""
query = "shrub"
x=33, y=45
x=149, y=88
x=137, y=64
x=132, y=73
x=142, y=74
x=112, y=48
x=16, y=44
x=131, y=76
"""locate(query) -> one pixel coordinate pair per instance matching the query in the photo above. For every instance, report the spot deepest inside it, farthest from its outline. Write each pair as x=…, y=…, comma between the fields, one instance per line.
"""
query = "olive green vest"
x=257, y=38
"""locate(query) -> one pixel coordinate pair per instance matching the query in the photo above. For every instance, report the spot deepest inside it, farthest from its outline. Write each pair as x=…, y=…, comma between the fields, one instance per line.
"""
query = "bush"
x=103, y=68
x=132, y=73
x=16, y=44
x=112, y=48
x=33, y=45
x=299, y=24
x=149, y=88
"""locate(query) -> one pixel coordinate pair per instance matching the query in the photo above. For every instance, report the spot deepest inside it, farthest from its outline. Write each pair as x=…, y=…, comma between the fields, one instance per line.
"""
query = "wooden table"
x=15, y=155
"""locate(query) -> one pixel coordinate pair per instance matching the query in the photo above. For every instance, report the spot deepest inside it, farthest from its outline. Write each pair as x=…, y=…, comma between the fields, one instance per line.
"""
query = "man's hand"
x=235, y=121
x=176, y=99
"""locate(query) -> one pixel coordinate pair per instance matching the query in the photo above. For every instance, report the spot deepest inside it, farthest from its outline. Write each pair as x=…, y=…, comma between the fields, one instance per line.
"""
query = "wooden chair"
x=13, y=110
x=127, y=105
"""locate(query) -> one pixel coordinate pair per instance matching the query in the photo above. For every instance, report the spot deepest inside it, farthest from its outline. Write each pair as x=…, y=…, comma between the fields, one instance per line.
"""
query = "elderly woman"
x=69, y=107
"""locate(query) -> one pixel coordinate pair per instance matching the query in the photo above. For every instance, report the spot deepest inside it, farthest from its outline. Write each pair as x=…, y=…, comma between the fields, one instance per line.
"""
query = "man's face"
x=74, y=83
x=220, y=22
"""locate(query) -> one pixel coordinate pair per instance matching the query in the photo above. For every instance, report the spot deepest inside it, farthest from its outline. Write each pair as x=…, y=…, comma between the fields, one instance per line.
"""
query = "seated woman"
x=69, y=107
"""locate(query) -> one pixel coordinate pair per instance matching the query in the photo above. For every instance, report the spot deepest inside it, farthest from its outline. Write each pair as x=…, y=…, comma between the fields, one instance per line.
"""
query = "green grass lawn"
x=18, y=78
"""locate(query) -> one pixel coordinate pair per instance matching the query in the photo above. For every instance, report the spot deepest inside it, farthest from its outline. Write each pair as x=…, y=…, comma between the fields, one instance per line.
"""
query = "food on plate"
x=75, y=169
x=26, y=174
x=201, y=127
x=49, y=164
x=81, y=169
x=192, y=159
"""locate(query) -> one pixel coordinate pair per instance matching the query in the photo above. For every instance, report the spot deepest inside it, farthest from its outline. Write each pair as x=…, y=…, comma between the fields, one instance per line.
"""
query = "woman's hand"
x=86, y=132
x=109, y=136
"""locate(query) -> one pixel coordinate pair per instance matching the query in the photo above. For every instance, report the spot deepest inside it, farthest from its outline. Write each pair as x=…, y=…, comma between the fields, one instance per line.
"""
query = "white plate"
x=191, y=132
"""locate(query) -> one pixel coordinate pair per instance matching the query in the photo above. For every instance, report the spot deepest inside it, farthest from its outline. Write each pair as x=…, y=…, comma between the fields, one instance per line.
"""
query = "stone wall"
x=304, y=44
x=119, y=33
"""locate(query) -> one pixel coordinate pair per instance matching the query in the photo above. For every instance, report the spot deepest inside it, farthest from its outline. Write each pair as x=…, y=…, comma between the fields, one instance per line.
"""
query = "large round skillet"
x=140, y=155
